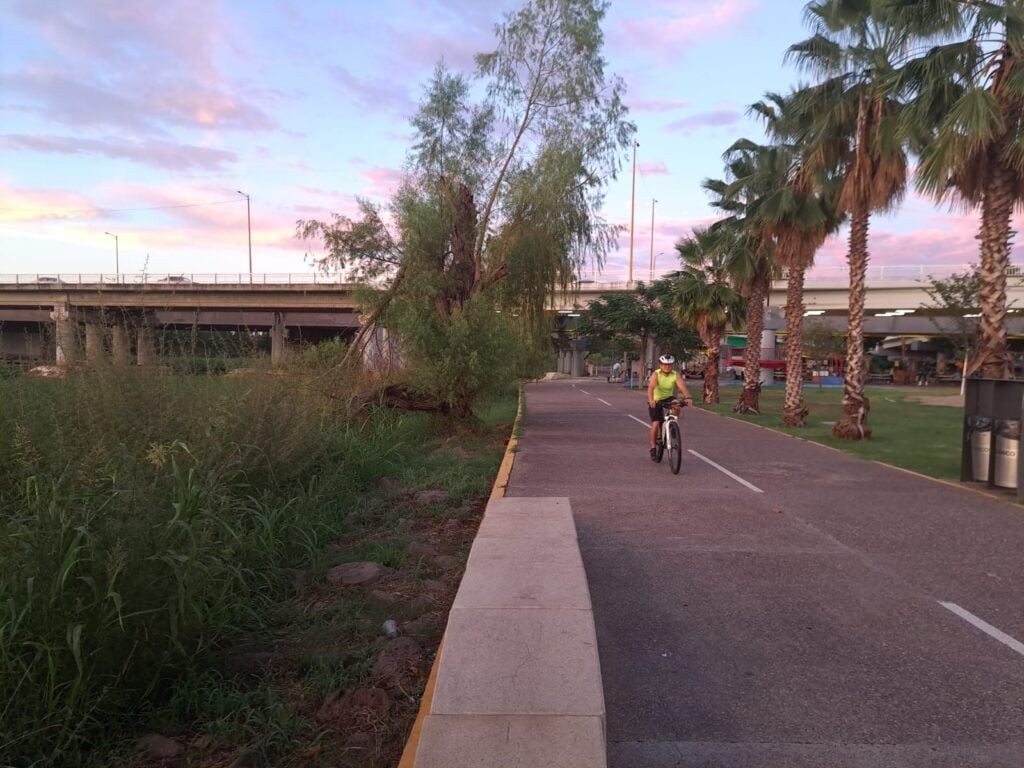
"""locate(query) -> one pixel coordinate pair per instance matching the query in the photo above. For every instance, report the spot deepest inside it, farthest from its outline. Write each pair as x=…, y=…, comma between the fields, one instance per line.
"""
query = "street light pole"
x=632, y=211
x=653, y=201
x=117, y=257
x=248, y=220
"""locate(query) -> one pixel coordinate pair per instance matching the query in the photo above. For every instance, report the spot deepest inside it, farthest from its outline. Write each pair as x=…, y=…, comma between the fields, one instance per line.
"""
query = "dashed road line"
x=634, y=418
x=605, y=402
x=584, y=392
x=985, y=627
x=722, y=469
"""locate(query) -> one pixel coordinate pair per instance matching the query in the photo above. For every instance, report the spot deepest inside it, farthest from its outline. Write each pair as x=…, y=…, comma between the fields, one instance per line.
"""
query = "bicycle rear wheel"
x=675, y=447
x=659, y=443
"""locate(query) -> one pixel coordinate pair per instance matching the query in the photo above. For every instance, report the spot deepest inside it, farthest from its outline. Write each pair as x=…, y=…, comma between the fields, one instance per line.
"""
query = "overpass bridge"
x=38, y=311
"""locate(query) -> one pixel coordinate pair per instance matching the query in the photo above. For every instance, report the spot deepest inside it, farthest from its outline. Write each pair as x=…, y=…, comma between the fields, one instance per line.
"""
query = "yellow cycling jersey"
x=665, y=386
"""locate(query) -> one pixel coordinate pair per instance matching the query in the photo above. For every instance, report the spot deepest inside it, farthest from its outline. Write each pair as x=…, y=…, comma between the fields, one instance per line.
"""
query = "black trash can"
x=979, y=432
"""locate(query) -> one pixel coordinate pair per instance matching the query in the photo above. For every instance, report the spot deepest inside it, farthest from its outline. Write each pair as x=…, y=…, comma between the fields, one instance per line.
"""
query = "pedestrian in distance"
x=661, y=388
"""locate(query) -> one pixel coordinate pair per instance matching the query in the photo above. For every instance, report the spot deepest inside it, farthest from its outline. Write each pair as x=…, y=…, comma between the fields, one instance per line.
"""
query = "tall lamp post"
x=632, y=211
x=653, y=201
x=117, y=257
x=248, y=221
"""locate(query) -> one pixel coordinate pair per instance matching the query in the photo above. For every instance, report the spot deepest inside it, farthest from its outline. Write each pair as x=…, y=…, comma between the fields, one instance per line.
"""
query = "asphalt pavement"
x=780, y=604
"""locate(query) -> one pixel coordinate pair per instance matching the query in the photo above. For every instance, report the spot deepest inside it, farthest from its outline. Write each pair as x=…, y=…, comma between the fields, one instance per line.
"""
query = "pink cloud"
x=656, y=105
x=382, y=93
x=142, y=66
x=945, y=239
x=160, y=154
x=680, y=23
x=24, y=204
x=653, y=168
x=714, y=118
x=383, y=181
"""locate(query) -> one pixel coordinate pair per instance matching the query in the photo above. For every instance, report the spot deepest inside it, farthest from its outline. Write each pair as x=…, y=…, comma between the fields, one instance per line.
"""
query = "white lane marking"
x=985, y=627
x=720, y=468
x=604, y=401
x=634, y=418
x=584, y=392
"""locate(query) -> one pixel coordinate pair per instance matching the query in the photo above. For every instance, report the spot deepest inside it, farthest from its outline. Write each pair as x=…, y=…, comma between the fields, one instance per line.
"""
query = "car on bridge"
x=174, y=279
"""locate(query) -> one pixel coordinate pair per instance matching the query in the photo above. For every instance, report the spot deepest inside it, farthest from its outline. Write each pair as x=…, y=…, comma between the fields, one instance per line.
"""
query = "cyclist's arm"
x=651, y=383
x=682, y=388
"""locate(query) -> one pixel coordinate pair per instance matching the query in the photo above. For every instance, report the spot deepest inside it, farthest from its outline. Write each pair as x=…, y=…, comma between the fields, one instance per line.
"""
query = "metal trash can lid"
x=981, y=423
x=1009, y=428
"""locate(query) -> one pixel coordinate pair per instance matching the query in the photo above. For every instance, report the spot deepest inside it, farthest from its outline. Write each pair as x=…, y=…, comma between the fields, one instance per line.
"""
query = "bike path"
x=808, y=609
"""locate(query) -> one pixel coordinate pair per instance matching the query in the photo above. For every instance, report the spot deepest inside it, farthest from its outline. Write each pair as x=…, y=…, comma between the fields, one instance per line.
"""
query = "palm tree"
x=798, y=212
x=857, y=134
x=970, y=89
x=750, y=264
x=704, y=297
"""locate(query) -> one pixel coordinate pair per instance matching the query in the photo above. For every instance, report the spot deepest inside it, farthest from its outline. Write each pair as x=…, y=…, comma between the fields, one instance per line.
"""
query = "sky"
x=144, y=120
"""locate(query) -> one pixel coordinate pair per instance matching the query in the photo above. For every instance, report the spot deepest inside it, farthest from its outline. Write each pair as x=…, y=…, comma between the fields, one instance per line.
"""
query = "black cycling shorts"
x=657, y=413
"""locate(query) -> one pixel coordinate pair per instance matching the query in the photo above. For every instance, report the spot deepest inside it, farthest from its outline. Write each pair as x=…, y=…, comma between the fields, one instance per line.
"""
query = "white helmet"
x=666, y=358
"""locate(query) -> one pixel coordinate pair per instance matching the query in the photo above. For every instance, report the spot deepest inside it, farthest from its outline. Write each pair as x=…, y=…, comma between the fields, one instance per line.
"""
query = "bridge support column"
x=767, y=348
x=577, y=366
x=66, y=335
x=119, y=345
x=145, y=347
x=278, y=336
x=94, y=353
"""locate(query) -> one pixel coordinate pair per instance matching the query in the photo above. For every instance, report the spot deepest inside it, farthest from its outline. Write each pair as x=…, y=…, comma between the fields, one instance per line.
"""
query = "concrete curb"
x=518, y=683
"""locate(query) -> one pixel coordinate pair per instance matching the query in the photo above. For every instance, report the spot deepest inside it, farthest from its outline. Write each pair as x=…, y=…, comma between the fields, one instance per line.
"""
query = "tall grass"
x=142, y=520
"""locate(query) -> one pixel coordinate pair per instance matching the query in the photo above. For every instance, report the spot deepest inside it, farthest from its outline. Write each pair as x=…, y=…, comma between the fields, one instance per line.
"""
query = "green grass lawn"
x=905, y=433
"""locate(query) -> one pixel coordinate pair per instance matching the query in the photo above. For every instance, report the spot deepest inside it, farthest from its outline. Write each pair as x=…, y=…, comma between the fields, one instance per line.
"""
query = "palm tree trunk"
x=995, y=237
x=793, y=410
x=749, y=397
x=852, y=424
x=714, y=342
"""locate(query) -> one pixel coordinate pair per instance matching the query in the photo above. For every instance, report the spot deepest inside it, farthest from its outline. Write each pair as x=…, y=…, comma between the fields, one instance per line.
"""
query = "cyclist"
x=661, y=388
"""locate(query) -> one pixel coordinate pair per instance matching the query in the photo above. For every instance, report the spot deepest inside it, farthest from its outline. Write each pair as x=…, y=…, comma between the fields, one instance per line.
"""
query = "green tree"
x=629, y=320
x=969, y=88
x=858, y=134
x=500, y=202
x=956, y=298
x=704, y=298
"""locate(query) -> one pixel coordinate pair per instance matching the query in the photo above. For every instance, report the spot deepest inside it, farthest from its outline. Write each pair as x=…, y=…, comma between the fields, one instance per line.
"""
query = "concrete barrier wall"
x=518, y=682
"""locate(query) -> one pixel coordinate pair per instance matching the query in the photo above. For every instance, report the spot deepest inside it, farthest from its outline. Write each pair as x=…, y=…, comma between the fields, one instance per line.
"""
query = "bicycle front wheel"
x=659, y=444
x=675, y=447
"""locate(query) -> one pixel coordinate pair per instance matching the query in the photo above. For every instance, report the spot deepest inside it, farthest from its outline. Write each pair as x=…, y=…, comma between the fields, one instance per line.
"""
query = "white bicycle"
x=670, y=437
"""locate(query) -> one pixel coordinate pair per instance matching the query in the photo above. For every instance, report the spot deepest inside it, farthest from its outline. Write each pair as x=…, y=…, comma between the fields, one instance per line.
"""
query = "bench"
x=880, y=378
x=518, y=680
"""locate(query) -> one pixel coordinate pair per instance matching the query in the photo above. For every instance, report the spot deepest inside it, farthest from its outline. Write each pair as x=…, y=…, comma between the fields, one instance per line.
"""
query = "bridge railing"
x=822, y=274
x=50, y=279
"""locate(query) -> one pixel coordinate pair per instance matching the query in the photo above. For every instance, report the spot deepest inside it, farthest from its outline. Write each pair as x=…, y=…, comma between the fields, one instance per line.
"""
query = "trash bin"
x=980, y=430
x=1004, y=471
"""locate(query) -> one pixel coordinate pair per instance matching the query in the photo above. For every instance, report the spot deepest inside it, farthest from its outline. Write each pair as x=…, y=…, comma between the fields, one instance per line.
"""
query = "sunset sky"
x=143, y=118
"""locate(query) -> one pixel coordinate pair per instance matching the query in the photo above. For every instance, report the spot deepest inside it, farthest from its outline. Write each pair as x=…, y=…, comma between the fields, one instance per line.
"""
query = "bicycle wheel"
x=675, y=447
x=659, y=443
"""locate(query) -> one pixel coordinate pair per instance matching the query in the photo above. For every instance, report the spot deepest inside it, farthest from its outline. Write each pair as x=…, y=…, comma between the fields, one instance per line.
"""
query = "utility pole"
x=653, y=201
x=248, y=220
x=632, y=211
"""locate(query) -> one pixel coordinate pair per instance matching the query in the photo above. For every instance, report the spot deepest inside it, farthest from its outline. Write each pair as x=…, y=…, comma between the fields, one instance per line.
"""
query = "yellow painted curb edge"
x=505, y=470
x=500, y=484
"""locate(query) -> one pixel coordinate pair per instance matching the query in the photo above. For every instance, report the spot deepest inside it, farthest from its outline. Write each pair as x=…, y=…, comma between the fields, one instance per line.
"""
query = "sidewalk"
x=781, y=604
